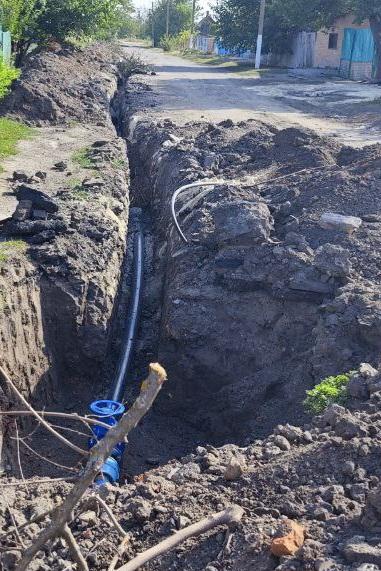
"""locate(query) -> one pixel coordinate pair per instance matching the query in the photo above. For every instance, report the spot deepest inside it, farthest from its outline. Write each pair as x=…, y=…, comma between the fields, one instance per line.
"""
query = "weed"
x=9, y=248
x=11, y=132
x=7, y=76
x=79, y=193
x=119, y=163
x=329, y=391
x=82, y=158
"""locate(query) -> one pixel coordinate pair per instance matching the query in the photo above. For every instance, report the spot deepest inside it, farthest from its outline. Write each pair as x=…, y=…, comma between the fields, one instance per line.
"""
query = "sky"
x=204, y=4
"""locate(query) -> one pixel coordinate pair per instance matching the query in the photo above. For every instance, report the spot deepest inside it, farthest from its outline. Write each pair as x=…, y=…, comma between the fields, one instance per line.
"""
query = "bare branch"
x=72, y=416
x=37, y=415
x=121, y=549
x=46, y=459
x=18, y=452
x=16, y=531
x=109, y=512
x=229, y=516
x=64, y=514
x=74, y=549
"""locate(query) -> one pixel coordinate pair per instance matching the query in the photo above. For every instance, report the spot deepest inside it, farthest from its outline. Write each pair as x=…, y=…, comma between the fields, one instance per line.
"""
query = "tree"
x=238, y=21
x=180, y=17
x=36, y=21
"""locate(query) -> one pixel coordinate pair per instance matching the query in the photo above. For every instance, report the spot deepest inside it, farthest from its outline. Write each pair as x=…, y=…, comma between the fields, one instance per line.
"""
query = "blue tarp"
x=358, y=45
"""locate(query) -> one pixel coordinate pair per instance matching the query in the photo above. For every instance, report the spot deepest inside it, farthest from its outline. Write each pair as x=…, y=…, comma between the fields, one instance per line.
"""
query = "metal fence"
x=5, y=46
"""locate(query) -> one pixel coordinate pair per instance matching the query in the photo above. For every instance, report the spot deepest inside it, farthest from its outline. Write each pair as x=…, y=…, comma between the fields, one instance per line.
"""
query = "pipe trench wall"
x=243, y=329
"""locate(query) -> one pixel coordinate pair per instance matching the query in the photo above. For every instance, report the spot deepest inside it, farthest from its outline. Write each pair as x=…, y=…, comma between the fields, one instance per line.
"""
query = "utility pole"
x=153, y=24
x=167, y=24
x=260, y=34
x=192, y=24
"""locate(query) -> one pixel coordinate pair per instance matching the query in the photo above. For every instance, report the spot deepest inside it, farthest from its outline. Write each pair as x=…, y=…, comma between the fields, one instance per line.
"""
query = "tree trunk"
x=375, y=25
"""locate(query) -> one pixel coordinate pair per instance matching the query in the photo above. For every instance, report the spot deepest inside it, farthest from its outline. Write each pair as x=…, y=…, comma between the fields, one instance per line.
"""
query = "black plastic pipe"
x=118, y=386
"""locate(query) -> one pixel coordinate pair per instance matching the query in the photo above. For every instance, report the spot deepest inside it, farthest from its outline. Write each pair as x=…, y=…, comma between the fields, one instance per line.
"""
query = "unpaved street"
x=189, y=91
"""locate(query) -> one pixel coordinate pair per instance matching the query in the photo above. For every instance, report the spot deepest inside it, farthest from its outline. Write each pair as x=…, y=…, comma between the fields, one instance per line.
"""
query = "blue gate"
x=5, y=46
x=358, y=53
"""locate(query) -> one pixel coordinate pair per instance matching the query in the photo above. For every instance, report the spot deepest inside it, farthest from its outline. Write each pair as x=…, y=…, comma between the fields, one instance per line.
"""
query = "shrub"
x=328, y=391
x=7, y=76
x=179, y=43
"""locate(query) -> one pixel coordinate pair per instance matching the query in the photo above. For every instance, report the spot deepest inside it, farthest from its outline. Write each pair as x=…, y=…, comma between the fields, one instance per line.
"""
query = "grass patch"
x=11, y=132
x=83, y=158
x=7, y=76
x=246, y=68
x=119, y=163
x=329, y=391
x=10, y=248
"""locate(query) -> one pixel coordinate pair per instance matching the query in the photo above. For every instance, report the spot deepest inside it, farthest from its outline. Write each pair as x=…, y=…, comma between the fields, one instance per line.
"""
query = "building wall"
x=331, y=58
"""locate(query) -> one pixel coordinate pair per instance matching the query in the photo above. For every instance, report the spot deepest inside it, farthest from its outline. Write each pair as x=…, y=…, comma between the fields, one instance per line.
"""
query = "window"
x=333, y=41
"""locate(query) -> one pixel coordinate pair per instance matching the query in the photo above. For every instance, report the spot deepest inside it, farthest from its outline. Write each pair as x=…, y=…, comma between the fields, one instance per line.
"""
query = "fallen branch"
x=39, y=417
x=63, y=515
x=121, y=549
x=110, y=514
x=231, y=516
x=74, y=549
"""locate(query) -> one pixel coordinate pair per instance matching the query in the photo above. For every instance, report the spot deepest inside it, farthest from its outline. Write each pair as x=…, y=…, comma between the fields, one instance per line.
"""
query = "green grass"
x=83, y=159
x=7, y=76
x=10, y=248
x=329, y=391
x=119, y=163
x=229, y=64
x=11, y=132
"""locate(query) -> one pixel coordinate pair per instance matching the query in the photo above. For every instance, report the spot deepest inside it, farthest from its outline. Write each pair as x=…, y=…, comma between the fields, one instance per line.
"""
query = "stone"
x=332, y=414
x=282, y=442
x=39, y=199
x=348, y=467
x=340, y=223
x=358, y=387
x=292, y=433
x=60, y=166
x=9, y=559
x=88, y=518
x=325, y=565
x=20, y=176
x=290, y=539
x=367, y=567
x=93, y=182
x=41, y=175
x=333, y=260
x=190, y=471
x=234, y=470
x=140, y=509
x=348, y=426
x=182, y=521
x=23, y=210
x=356, y=550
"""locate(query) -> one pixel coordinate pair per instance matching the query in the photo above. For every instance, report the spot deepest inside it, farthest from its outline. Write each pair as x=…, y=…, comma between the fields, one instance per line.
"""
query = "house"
x=204, y=39
x=347, y=47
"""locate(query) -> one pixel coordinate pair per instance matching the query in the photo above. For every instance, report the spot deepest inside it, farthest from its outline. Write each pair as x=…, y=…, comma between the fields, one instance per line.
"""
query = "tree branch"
x=74, y=549
x=43, y=422
x=230, y=516
x=98, y=454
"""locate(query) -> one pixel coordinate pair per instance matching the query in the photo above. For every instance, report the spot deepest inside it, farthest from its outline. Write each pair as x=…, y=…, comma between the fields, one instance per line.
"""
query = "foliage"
x=133, y=64
x=11, y=132
x=238, y=20
x=179, y=43
x=7, y=76
x=36, y=21
x=83, y=159
x=180, y=17
x=328, y=391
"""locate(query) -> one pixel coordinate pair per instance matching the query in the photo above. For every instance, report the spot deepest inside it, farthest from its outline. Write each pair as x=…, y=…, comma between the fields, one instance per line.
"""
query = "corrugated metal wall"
x=358, y=54
x=5, y=46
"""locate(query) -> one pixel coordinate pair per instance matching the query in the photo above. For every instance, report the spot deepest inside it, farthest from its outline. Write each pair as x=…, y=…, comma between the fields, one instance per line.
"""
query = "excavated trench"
x=260, y=304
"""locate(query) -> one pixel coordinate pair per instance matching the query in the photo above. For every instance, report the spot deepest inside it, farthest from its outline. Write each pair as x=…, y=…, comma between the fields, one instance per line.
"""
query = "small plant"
x=7, y=76
x=179, y=43
x=133, y=64
x=9, y=248
x=329, y=391
x=119, y=163
x=82, y=158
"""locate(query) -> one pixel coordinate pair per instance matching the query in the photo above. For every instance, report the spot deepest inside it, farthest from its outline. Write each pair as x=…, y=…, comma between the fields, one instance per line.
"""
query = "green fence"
x=5, y=46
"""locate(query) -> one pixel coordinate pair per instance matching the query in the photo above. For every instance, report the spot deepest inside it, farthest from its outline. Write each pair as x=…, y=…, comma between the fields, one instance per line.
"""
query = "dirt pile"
x=66, y=85
x=61, y=279
x=264, y=300
x=321, y=480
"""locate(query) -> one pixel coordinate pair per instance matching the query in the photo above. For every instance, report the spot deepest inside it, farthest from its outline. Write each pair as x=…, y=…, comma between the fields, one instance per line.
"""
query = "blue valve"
x=109, y=412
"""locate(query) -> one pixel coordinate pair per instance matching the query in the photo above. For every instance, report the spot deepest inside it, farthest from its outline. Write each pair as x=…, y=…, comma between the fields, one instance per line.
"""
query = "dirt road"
x=188, y=91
